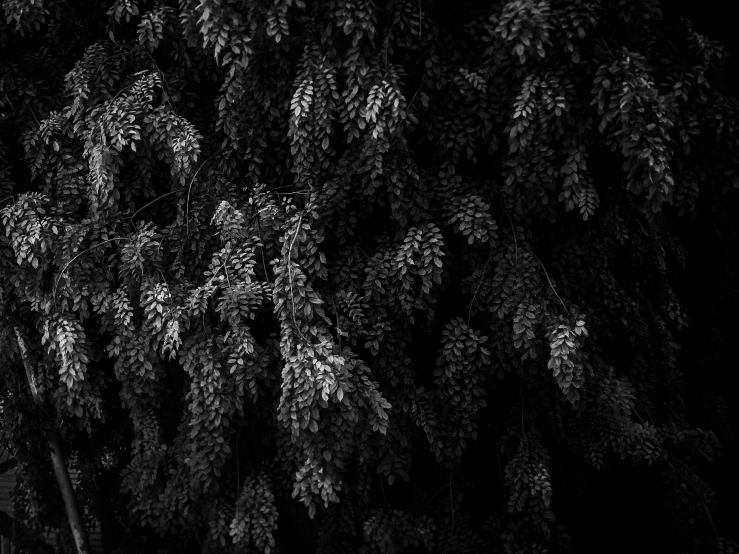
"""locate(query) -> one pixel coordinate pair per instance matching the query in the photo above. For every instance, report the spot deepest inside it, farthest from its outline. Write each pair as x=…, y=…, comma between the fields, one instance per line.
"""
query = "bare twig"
x=523, y=430
x=500, y=466
x=238, y=477
x=537, y=259
x=61, y=274
x=550, y=281
x=469, y=313
x=164, y=82
x=290, y=276
x=387, y=42
x=451, y=501
x=338, y=329
x=264, y=262
x=155, y=200
x=451, y=504
x=434, y=496
x=367, y=256
x=513, y=230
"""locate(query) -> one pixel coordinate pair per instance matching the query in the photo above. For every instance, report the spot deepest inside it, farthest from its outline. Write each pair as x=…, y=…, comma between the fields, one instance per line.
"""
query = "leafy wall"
x=364, y=276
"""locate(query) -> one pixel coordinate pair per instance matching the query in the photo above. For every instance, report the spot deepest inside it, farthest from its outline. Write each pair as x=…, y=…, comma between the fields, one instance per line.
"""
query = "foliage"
x=287, y=267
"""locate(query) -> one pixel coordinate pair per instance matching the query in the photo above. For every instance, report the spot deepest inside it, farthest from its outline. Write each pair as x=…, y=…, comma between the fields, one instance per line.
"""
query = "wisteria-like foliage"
x=352, y=276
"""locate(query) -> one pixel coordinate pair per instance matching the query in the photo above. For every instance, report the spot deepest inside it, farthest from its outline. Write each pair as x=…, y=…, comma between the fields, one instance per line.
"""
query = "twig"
x=523, y=430
x=34, y=116
x=264, y=262
x=537, y=259
x=434, y=496
x=451, y=502
x=155, y=200
x=550, y=281
x=164, y=82
x=500, y=466
x=187, y=202
x=469, y=313
x=290, y=276
x=61, y=274
x=370, y=259
x=338, y=330
x=120, y=91
x=515, y=242
x=106, y=60
x=238, y=477
x=304, y=191
x=387, y=42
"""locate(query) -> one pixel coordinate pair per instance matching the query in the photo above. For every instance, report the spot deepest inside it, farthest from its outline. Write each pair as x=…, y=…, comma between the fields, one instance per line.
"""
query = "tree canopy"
x=353, y=276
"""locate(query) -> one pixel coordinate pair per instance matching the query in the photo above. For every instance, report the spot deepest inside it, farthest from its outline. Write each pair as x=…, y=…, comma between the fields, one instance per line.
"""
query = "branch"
x=57, y=458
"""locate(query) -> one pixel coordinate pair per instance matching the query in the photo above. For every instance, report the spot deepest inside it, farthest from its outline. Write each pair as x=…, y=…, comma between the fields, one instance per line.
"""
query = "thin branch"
x=523, y=430
x=451, y=504
x=370, y=259
x=155, y=200
x=537, y=259
x=164, y=82
x=290, y=276
x=61, y=274
x=34, y=116
x=469, y=313
x=451, y=501
x=550, y=281
x=515, y=242
x=500, y=466
x=187, y=202
x=264, y=262
x=382, y=488
x=304, y=191
x=338, y=329
x=120, y=91
x=434, y=496
x=387, y=42
x=238, y=477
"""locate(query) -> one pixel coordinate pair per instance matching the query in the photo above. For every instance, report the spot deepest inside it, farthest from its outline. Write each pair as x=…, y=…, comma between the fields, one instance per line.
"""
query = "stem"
x=57, y=459
x=550, y=281
x=469, y=313
x=61, y=274
x=187, y=202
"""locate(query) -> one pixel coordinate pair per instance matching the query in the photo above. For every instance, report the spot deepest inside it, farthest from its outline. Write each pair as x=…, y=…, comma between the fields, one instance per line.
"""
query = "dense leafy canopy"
x=350, y=275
